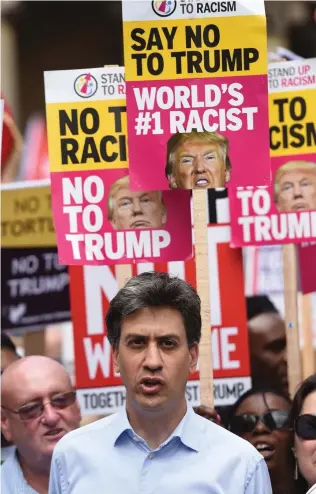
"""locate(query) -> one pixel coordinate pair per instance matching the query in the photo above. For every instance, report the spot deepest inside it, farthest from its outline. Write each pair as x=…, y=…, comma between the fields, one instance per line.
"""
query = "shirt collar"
x=188, y=430
x=191, y=429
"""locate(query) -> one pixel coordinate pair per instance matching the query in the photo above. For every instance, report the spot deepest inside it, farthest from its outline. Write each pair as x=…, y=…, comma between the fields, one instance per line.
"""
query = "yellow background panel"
x=106, y=128
x=235, y=32
x=284, y=136
x=27, y=218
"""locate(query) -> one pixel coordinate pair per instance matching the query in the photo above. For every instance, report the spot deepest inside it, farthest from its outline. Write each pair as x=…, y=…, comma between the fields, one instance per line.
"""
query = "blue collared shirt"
x=12, y=478
x=108, y=457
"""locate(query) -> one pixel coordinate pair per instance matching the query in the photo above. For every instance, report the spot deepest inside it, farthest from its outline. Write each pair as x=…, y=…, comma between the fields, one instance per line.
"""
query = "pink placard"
x=307, y=261
x=235, y=108
x=256, y=217
x=100, y=221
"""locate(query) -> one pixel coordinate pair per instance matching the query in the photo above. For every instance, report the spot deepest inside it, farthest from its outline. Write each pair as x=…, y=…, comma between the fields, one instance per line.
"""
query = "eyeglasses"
x=305, y=426
x=35, y=409
x=274, y=419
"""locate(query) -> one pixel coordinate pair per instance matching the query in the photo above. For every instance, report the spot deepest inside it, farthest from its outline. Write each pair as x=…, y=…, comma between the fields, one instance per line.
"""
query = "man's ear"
x=172, y=182
x=227, y=176
x=194, y=357
x=5, y=426
x=116, y=359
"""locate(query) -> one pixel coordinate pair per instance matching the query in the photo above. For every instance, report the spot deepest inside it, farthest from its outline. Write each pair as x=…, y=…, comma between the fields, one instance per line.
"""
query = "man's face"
x=36, y=438
x=268, y=351
x=297, y=190
x=137, y=210
x=198, y=165
x=154, y=359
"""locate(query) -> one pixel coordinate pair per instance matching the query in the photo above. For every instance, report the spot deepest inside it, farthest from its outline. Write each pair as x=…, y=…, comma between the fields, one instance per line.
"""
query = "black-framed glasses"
x=35, y=409
x=274, y=419
x=305, y=426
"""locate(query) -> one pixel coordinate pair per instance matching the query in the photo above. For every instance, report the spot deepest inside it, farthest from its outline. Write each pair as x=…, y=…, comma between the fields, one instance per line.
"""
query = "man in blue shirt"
x=157, y=444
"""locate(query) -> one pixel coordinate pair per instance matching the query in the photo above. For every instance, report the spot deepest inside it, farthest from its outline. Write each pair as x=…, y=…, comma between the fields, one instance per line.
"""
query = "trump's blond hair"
x=288, y=167
x=120, y=184
x=176, y=140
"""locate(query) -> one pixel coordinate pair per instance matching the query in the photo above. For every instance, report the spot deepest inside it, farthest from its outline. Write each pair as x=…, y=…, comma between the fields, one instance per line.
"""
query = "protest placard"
x=307, y=262
x=197, y=96
x=100, y=390
x=285, y=212
x=98, y=219
x=34, y=286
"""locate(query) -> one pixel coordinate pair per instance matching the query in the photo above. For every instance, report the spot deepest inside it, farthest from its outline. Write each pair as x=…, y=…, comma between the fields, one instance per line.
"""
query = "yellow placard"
x=292, y=118
x=87, y=135
x=199, y=48
x=26, y=219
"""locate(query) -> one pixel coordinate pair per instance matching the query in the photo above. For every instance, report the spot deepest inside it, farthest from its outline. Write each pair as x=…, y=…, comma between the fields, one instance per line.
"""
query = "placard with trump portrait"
x=197, y=94
x=98, y=219
x=286, y=211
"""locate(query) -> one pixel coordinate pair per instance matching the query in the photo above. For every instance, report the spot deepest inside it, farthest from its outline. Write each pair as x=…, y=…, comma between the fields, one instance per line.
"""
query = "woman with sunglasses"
x=262, y=418
x=303, y=419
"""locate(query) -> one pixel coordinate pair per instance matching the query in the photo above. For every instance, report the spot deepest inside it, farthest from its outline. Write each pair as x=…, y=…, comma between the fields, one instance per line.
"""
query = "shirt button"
x=151, y=456
x=135, y=438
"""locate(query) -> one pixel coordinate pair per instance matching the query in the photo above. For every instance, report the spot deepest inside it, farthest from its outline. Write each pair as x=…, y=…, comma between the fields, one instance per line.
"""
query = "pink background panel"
x=248, y=149
x=235, y=206
x=307, y=260
x=178, y=221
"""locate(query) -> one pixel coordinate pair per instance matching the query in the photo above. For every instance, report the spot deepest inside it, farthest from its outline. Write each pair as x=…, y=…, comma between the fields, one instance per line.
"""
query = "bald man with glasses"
x=39, y=407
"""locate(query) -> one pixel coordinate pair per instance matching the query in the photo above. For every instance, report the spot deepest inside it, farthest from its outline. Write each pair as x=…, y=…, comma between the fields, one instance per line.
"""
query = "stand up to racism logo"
x=164, y=8
x=86, y=85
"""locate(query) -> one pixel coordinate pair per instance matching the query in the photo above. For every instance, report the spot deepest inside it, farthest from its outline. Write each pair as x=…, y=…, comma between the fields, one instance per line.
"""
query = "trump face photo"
x=131, y=210
x=197, y=160
x=295, y=186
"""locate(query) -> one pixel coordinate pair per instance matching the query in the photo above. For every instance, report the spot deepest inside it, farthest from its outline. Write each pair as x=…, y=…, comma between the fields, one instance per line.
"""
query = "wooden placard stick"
x=200, y=215
x=290, y=277
x=123, y=274
x=308, y=358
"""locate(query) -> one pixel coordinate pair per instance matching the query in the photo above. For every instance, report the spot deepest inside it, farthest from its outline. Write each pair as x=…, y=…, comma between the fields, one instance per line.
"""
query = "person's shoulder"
x=7, y=452
x=7, y=463
x=8, y=475
x=91, y=431
x=215, y=436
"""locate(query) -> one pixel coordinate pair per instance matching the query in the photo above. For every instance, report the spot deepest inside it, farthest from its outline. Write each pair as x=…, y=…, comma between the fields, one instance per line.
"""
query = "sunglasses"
x=274, y=419
x=35, y=409
x=305, y=426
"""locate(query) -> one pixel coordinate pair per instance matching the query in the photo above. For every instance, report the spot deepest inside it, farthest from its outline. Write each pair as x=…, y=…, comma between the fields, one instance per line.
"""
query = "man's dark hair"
x=306, y=388
x=259, y=304
x=154, y=290
x=7, y=343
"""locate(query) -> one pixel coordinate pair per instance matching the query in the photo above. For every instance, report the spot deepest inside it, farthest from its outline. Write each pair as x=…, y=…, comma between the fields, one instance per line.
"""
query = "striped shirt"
x=12, y=478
